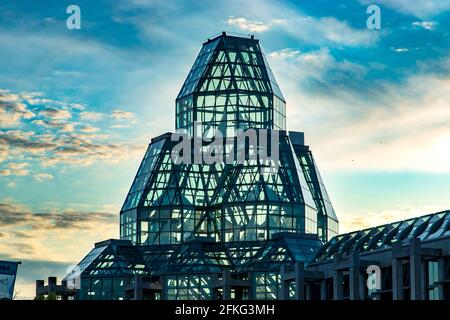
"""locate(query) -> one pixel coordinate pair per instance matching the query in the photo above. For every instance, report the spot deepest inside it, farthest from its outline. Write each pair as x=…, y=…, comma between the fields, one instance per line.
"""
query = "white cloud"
x=62, y=126
x=123, y=115
x=91, y=116
x=370, y=218
x=15, y=169
x=42, y=177
x=11, y=184
x=355, y=124
x=417, y=8
x=53, y=113
x=318, y=31
x=12, y=110
x=88, y=129
x=429, y=25
x=254, y=26
x=399, y=50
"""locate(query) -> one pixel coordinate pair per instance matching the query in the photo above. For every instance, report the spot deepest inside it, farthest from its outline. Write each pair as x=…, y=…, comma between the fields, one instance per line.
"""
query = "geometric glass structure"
x=195, y=224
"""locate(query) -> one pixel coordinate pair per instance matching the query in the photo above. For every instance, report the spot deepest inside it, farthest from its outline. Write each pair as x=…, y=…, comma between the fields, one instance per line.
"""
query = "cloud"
x=254, y=26
x=311, y=30
x=91, y=116
x=368, y=218
x=54, y=113
x=62, y=236
x=55, y=124
x=123, y=115
x=12, y=110
x=400, y=49
x=319, y=71
x=56, y=138
x=329, y=30
x=14, y=214
x=417, y=8
x=11, y=184
x=15, y=169
x=88, y=129
x=357, y=124
x=42, y=177
x=429, y=25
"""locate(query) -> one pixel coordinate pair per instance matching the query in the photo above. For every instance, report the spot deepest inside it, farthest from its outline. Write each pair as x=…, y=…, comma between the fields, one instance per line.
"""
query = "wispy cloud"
x=12, y=110
x=54, y=113
x=417, y=8
x=254, y=26
x=58, y=138
x=42, y=177
x=91, y=116
x=356, y=124
x=15, y=169
x=429, y=25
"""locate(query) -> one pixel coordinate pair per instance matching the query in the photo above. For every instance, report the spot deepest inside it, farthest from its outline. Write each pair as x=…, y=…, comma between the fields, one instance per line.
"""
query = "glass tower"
x=191, y=222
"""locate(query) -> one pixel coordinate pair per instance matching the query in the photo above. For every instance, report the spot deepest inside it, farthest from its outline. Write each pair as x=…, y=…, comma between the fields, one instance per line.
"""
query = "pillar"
x=397, y=272
x=39, y=285
x=354, y=276
x=251, y=289
x=299, y=281
x=138, y=289
x=226, y=287
x=284, y=283
x=397, y=279
x=308, y=291
x=337, y=285
x=323, y=289
x=362, y=286
x=164, y=291
x=415, y=263
x=442, y=276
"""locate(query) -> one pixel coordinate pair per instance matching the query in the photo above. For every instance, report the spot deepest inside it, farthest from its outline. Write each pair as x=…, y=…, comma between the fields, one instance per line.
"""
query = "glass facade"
x=230, y=87
x=189, y=222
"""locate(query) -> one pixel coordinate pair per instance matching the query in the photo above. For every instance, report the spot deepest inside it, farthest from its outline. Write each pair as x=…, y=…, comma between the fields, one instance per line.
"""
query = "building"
x=239, y=229
x=404, y=260
x=221, y=229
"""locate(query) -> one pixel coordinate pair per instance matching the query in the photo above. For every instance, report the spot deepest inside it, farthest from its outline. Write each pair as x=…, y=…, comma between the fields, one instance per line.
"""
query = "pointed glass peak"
x=231, y=86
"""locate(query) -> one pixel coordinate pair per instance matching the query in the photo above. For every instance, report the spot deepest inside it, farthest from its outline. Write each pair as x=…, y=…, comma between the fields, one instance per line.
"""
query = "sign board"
x=8, y=272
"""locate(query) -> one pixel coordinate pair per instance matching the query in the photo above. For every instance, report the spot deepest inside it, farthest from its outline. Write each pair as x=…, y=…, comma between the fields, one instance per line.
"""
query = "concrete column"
x=251, y=289
x=337, y=285
x=354, y=276
x=226, y=277
x=442, y=275
x=415, y=264
x=299, y=281
x=397, y=279
x=308, y=291
x=164, y=291
x=52, y=284
x=284, y=283
x=323, y=289
x=362, y=286
x=39, y=284
x=138, y=290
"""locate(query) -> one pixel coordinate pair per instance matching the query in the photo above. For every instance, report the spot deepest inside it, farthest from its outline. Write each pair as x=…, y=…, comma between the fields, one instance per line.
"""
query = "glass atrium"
x=187, y=226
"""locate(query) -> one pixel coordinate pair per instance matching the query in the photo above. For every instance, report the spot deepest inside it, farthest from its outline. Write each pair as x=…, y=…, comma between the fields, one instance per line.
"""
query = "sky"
x=78, y=108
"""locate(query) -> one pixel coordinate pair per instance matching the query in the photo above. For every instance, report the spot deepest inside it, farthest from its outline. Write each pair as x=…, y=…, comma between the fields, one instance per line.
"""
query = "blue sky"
x=78, y=107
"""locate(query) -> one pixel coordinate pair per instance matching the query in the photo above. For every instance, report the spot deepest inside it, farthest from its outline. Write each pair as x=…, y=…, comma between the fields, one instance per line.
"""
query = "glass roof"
x=430, y=226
